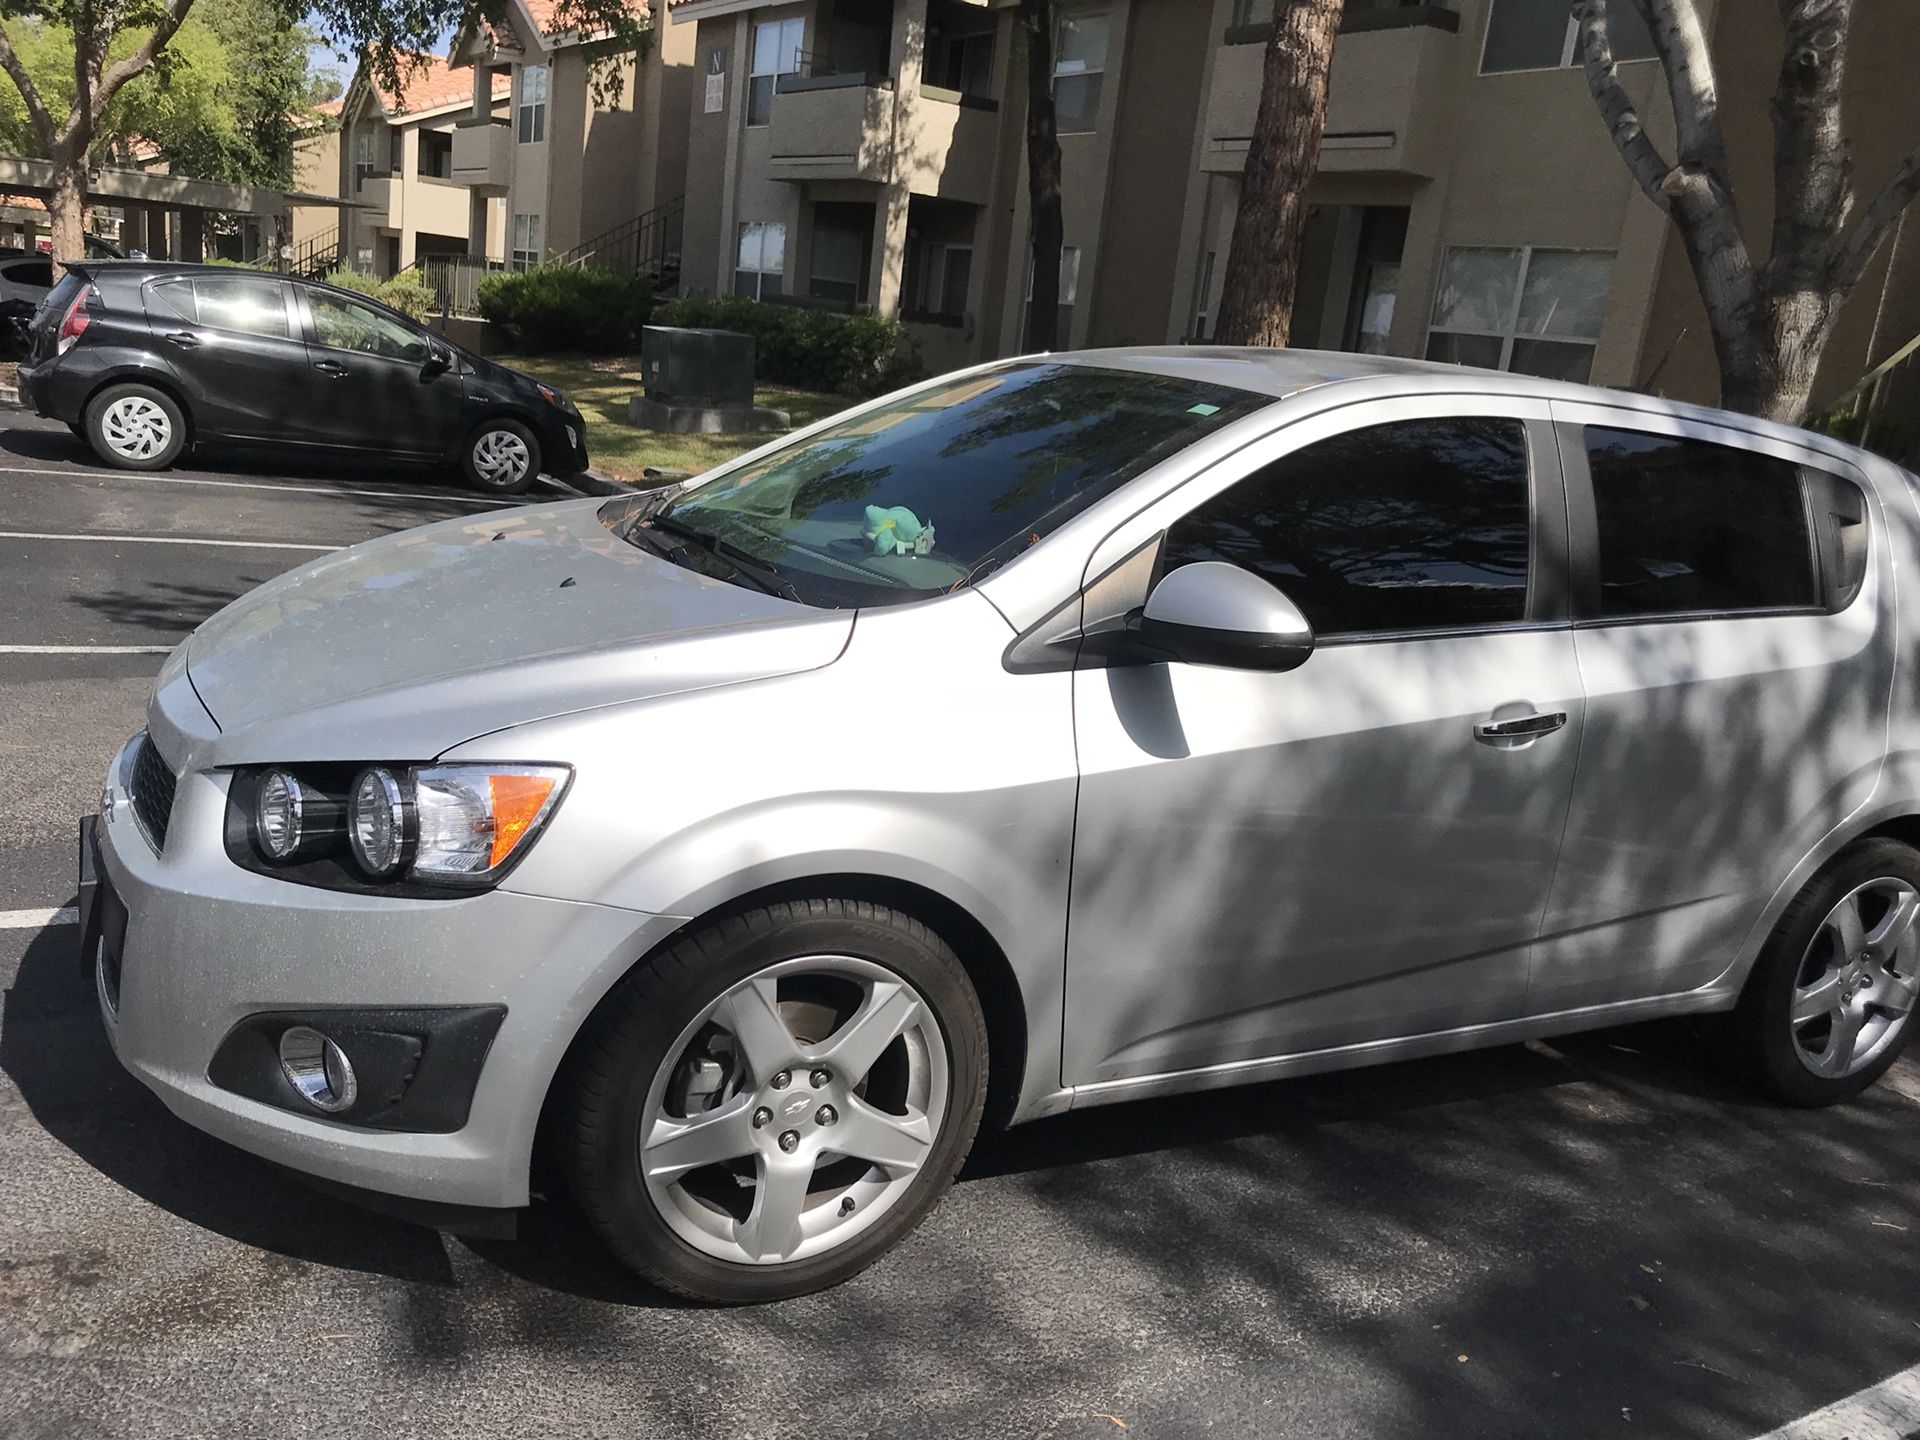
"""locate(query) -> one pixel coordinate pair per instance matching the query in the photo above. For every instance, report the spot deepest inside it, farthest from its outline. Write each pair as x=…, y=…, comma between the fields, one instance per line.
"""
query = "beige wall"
x=316, y=170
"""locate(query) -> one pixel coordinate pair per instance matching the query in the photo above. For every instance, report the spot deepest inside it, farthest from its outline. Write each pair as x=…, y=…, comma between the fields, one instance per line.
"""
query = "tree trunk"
x=1043, y=179
x=1263, y=263
x=66, y=204
x=1768, y=368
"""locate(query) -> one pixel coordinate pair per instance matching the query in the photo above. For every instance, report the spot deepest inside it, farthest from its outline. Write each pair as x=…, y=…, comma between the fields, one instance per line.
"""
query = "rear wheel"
x=1828, y=1006
x=136, y=427
x=502, y=457
x=770, y=1105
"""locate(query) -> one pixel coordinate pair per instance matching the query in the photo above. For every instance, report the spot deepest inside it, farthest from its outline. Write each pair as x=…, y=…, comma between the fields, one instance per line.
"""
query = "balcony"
x=376, y=193
x=1384, y=114
x=438, y=206
x=840, y=127
x=483, y=155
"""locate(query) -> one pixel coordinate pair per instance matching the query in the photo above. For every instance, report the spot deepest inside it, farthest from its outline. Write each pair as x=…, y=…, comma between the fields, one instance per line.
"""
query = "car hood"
x=407, y=645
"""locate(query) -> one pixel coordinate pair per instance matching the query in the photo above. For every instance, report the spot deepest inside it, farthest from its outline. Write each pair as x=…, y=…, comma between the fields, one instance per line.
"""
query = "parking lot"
x=1600, y=1236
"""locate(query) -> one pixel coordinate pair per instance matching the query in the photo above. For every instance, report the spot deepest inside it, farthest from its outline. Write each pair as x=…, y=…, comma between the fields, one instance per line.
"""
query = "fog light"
x=318, y=1069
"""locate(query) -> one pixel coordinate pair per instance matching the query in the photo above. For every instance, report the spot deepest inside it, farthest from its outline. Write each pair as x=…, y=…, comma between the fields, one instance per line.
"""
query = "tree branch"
x=122, y=71
x=1629, y=137
x=1812, y=184
x=1859, y=248
x=1681, y=43
x=36, y=107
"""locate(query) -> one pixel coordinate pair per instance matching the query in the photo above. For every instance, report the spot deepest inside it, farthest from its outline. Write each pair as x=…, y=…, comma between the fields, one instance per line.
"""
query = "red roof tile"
x=431, y=85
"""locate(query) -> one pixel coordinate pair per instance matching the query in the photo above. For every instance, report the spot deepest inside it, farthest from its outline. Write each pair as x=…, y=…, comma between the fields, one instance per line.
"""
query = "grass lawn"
x=601, y=387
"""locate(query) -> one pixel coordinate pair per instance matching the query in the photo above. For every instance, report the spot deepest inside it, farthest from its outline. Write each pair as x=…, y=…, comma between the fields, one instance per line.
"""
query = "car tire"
x=664, y=1051
x=500, y=457
x=1829, y=1005
x=135, y=427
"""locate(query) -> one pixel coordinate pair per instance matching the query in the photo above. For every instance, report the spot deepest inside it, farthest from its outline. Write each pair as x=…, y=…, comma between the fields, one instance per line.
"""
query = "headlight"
x=432, y=825
x=380, y=824
x=291, y=817
x=552, y=396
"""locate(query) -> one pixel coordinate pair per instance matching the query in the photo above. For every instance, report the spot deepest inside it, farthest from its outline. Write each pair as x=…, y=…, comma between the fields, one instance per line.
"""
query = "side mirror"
x=439, y=358
x=1214, y=613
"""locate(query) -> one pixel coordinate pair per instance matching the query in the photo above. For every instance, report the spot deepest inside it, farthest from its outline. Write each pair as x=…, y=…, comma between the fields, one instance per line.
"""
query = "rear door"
x=1732, y=599
x=374, y=383
x=231, y=341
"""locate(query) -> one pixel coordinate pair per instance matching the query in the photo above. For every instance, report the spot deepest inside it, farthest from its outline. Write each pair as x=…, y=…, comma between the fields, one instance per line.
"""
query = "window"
x=396, y=152
x=1541, y=35
x=984, y=462
x=776, y=52
x=362, y=155
x=30, y=272
x=946, y=277
x=253, y=307
x=1202, y=295
x=526, y=241
x=343, y=324
x=1379, y=287
x=1416, y=525
x=838, y=263
x=1535, y=312
x=763, y=259
x=961, y=62
x=1079, y=65
x=1069, y=286
x=436, y=155
x=531, y=114
x=177, y=296
x=1688, y=527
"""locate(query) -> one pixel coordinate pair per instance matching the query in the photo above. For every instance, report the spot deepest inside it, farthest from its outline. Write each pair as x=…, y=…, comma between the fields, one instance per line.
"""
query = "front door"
x=237, y=353
x=1735, y=639
x=1269, y=864
x=373, y=386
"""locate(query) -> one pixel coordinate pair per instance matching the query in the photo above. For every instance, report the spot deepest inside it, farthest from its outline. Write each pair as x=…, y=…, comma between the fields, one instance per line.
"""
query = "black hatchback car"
x=143, y=358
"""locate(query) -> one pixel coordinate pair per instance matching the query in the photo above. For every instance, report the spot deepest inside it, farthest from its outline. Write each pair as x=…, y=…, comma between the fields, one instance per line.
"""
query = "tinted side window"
x=30, y=272
x=1416, y=525
x=1687, y=526
x=348, y=325
x=175, y=296
x=253, y=307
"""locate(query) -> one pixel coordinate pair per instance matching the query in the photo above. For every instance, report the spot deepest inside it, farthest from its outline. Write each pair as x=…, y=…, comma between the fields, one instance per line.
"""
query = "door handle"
x=331, y=367
x=1520, y=727
x=184, y=339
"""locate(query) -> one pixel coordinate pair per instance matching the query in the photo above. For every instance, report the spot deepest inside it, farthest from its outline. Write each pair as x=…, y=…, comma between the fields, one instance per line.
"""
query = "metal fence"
x=455, y=281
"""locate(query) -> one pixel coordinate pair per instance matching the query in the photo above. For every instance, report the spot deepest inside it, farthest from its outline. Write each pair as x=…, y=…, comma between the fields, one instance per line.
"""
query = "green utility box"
x=712, y=368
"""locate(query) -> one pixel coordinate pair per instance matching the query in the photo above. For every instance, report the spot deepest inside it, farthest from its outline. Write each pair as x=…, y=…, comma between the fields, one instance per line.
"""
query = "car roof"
x=1283, y=373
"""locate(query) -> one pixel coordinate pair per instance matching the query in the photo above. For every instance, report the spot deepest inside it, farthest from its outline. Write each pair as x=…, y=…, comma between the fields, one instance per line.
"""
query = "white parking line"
x=38, y=919
x=169, y=540
x=1887, y=1411
x=84, y=649
x=261, y=485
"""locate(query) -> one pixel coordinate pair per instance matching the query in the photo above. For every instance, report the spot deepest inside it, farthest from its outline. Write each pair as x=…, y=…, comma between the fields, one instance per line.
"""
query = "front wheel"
x=768, y=1106
x=502, y=457
x=136, y=427
x=1826, y=1010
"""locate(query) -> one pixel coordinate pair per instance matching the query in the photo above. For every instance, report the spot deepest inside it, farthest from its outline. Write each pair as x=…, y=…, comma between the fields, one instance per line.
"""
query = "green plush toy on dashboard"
x=898, y=530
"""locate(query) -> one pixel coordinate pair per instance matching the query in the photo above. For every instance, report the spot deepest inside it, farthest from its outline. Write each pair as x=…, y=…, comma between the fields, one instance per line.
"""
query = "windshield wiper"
x=749, y=567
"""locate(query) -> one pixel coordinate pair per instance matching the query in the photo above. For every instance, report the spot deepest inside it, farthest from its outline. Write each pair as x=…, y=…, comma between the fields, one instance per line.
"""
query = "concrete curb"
x=9, y=395
x=592, y=482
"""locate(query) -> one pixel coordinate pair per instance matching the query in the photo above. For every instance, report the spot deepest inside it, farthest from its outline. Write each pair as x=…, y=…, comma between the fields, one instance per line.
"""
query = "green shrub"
x=409, y=293
x=346, y=279
x=807, y=348
x=555, y=309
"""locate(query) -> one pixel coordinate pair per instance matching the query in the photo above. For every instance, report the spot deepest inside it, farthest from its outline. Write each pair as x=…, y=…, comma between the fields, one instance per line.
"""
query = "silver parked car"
x=1052, y=733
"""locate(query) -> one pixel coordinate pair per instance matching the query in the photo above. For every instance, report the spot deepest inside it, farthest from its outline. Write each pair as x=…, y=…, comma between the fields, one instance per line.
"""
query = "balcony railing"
x=483, y=154
x=840, y=126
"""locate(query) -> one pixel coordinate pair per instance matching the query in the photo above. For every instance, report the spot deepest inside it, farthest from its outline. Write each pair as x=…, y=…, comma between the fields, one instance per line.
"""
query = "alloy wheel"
x=794, y=1111
x=500, y=457
x=1858, y=980
x=135, y=427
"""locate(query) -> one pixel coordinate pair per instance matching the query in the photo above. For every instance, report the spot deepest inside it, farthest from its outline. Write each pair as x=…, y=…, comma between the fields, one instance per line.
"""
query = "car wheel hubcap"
x=1858, y=980
x=795, y=1111
x=135, y=427
x=500, y=457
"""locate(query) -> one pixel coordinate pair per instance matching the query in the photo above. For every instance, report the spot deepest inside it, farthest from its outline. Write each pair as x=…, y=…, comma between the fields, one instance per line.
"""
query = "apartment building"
x=572, y=157
x=396, y=162
x=1469, y=204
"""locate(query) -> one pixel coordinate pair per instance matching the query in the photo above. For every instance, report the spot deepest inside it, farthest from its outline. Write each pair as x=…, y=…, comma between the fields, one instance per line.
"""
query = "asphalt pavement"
x=1601, y=1236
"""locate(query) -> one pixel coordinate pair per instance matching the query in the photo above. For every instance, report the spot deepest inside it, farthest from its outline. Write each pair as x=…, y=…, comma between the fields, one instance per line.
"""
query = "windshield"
x=938, y=488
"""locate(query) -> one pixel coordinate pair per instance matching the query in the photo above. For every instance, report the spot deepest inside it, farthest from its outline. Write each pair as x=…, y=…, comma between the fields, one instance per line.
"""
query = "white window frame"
x=1202, y=297
x=1082, y=13
x=530, y=110
x=1512, y=333
x=790, y=59
x=933, y=277
x=1570, y=55
x=760, y=274
x=524, y=257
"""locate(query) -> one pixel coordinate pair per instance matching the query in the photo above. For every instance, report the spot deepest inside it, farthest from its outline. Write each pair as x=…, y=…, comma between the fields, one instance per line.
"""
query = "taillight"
x=76, y=321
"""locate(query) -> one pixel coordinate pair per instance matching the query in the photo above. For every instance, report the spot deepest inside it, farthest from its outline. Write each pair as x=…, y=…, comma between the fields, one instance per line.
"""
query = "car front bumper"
x=208, y=945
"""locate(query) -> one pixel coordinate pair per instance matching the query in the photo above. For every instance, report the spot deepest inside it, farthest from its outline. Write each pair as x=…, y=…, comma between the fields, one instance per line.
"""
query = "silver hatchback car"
x=1052, y=733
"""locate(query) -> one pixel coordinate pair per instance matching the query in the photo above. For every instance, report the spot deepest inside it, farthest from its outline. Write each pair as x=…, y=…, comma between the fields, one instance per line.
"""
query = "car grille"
x=152, y=789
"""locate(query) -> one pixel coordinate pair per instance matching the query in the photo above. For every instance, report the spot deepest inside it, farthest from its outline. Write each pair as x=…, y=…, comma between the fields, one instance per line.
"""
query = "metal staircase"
x=648, y=245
